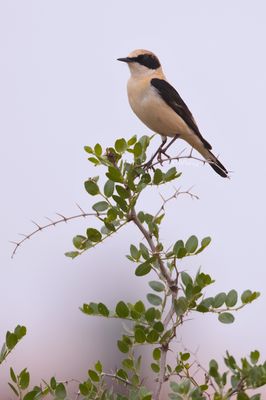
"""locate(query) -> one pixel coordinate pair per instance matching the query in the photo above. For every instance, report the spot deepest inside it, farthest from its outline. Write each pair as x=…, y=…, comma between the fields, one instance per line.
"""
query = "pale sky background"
x=61, y=88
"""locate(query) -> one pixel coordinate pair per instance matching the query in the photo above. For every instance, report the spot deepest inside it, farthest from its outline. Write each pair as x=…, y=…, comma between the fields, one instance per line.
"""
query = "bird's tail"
x=214, y=162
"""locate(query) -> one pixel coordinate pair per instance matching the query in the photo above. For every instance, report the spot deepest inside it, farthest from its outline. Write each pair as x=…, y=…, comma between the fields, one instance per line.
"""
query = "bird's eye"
x=148, y=60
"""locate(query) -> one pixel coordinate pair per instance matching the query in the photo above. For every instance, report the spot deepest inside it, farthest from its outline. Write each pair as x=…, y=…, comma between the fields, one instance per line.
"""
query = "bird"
x=160, y=107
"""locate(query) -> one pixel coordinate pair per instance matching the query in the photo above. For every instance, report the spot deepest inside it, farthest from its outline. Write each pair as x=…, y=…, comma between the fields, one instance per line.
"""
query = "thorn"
x=62, y=216
x=83, y=212
x=23, y=234
x=50, y=220
x=181, y=152
x=15, y=243
x=35, y=223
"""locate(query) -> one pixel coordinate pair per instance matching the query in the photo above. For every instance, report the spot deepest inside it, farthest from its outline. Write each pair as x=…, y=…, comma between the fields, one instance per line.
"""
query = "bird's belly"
x=157, y=115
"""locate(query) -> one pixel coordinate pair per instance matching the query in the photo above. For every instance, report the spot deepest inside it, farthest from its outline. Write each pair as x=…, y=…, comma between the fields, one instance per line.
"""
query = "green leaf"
x=83, y=388
x=154, y=299
x=152, y=336
x=13, y=375
x=155, y=367
x=157, y=286
x=144, y=251
x=114, y=174
x=94, y=235
x=143, y=269
x=132, y=140
x=185, y=356
x=11, y=340
x=122, y=346
x=128, y=363
x=182, y=253
x=170, y=174
x=98, y=149
x=156, y=354
x=158, y=177
x=137, y=150
x=24, y=379
x=134, y=252
x=191, y=244
x=219, y=300
x=91, y=187
x=246, y=296
x=32, y=395
x=112, y=214
x=121, y=203
x=93, y=375
x=20, y=331
x=122, y=310
x=226, y=318
x=140, y=336
x=79, y=241
x=178, y=245
x=254, y=356
x=14, y=389
x=181, y=306
x=242, y=396
x=60, y=391
x=122, y=374
x=231, y=298
x=53, y=383
x=103, y=310
x=150, y=314
x=98, y=367
x=88, y=149
x=139, y=307
x=94, y=160
x=204, y=243
x=100, y=206
x=124, y=193
x=120, y=145
x=108, y=188
x=186, y=279
x=158, y=326
x=72, y=254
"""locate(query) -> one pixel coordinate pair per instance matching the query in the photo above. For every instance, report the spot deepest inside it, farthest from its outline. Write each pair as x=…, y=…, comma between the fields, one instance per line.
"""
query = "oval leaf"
x=94, y=235
x=122, y=310
x=231, y=298
x=226, y=318
x=100, y=206
x=157, y=286
x=91, y=187
x=191, y=244
x=154, y=299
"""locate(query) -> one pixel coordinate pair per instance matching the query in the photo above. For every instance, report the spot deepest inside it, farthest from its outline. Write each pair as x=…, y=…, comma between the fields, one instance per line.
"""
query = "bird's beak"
x=125, y=59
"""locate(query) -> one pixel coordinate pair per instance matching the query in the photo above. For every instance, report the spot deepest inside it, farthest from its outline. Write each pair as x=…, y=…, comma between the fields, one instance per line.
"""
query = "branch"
x=51, y=223
x=181, y=157
x=172, y=284
x=125, y=381
x=133, y=216
x=177, y=193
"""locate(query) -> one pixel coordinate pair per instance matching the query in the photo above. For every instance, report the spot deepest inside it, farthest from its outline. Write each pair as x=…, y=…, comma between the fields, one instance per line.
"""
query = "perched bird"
x=159, y=106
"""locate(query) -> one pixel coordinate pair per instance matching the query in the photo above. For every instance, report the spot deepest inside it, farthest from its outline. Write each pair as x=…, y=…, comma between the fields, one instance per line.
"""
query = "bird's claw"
x=159, y=157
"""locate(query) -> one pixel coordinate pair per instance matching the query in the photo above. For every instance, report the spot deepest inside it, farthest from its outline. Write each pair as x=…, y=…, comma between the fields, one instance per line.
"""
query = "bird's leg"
x=158, y=152
x=163, y=150
x=169, y=144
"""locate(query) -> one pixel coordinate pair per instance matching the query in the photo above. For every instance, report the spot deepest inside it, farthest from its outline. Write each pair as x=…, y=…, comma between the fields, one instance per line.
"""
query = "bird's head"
x=142, y=63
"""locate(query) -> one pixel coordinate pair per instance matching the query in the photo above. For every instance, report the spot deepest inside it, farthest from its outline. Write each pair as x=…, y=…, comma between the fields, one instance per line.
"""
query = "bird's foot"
x=159, y=157
x=148, y=164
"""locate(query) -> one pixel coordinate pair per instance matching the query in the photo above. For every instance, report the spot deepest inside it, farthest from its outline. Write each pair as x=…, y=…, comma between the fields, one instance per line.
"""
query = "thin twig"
x=51, y=223
x=125, y=381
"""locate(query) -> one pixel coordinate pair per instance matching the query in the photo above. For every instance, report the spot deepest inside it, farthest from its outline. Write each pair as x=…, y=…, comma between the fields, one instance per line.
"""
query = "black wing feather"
x=173, y=99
